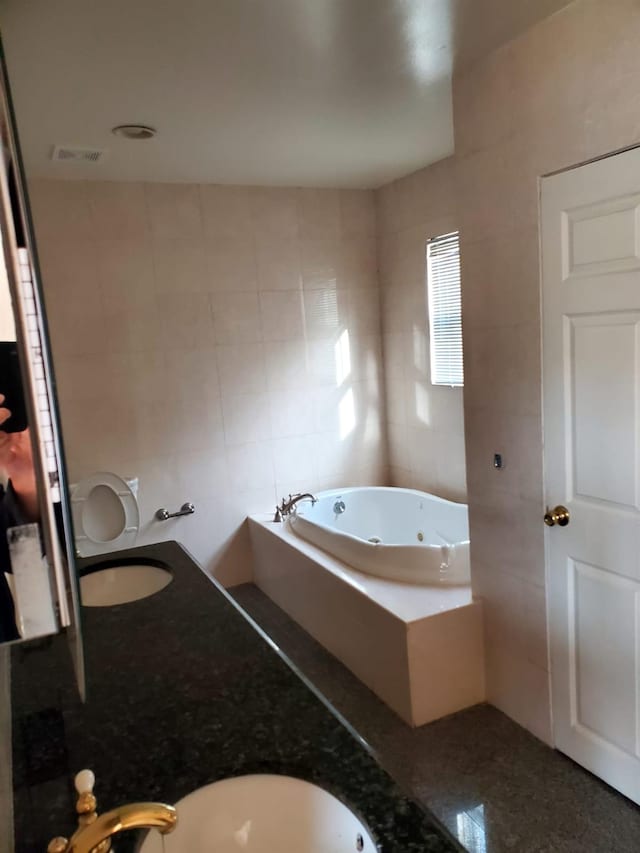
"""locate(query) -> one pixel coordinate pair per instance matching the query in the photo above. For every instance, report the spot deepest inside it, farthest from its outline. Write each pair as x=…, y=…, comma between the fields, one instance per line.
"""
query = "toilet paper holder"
x=186, y=509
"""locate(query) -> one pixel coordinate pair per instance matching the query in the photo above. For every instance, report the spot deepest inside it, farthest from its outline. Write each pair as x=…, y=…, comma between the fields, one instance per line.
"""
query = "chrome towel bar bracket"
x=185, y=509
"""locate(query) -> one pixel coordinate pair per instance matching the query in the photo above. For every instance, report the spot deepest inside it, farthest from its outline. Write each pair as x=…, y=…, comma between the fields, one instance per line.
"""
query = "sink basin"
x=262, y=814
x=121, y=584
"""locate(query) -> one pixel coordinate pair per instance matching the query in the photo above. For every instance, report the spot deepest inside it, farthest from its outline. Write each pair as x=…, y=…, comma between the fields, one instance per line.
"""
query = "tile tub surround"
x=220, y=343
x=183, y=690
x=425, y=423
x=419, y=648
x=562, y=93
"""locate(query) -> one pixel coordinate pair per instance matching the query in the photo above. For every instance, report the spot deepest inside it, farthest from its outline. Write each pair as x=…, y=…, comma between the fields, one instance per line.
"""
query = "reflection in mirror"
x=27, y=600
x=37, y=588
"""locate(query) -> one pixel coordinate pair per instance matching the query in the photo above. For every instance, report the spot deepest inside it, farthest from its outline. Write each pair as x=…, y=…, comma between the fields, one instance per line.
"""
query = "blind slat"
x=445, y=309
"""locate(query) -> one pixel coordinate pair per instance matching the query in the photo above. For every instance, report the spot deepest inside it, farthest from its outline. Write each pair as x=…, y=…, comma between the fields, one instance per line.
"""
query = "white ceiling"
x=274, y=92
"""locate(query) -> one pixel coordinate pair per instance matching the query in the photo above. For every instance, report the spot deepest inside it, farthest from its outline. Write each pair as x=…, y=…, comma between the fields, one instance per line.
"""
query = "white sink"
x=262, y=814
x=121, y=584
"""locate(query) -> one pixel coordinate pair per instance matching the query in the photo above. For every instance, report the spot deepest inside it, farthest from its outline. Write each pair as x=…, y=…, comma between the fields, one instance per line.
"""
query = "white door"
x=591, y=319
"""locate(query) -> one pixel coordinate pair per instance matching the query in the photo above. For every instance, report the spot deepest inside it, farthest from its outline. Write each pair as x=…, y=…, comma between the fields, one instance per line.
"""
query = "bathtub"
x=419, y=646
x=397, y=534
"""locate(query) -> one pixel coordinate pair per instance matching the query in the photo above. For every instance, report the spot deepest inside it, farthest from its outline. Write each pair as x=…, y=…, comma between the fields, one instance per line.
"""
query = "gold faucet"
x=94, y=832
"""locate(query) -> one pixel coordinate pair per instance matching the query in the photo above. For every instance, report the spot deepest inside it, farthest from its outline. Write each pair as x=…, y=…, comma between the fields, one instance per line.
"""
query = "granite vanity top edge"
x=218, y=679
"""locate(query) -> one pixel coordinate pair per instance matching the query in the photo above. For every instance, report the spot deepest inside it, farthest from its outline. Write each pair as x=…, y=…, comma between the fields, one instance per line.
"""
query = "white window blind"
x=445, y=309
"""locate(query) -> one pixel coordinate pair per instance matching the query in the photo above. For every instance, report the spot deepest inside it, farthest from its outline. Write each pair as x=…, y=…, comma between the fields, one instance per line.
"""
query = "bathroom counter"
x=183, y=689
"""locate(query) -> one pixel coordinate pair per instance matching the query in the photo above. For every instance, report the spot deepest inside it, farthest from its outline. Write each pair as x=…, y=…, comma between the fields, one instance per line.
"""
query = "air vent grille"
x=70, y=154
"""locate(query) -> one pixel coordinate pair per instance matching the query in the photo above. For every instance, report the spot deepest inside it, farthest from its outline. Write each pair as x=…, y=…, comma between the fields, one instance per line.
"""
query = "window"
x=445, y=309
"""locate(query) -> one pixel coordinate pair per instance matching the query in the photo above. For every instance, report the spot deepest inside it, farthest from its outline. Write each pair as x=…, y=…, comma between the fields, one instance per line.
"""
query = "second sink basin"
x=121, y=584
x=263, y=814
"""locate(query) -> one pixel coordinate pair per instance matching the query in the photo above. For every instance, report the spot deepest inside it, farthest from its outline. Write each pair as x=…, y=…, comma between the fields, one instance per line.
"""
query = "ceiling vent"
x=71, y=154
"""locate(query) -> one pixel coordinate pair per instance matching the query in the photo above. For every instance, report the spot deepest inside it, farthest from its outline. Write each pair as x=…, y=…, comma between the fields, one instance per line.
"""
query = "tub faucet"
x=287, y=506
x=95, y=832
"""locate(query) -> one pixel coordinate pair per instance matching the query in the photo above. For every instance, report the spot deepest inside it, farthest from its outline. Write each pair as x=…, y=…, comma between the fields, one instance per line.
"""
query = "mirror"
x=38, y=595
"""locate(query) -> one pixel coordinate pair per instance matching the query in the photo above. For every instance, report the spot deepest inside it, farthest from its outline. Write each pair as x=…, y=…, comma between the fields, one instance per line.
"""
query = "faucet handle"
x=84, y=781
x=86, y=805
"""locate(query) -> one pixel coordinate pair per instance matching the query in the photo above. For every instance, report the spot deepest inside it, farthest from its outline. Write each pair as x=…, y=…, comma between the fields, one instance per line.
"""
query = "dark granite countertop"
x=182, y=690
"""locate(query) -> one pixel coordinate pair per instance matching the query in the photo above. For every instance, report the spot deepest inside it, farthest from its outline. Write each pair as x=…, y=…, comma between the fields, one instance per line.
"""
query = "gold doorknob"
x=558, y=515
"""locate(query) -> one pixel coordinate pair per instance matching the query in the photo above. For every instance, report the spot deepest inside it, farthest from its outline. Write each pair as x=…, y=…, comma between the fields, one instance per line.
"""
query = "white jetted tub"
x=380, y=577
x=398, y=534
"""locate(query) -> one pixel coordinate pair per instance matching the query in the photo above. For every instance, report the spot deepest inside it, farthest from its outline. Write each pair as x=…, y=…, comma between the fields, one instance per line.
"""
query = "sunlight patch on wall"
x=343, y=357
x=372, y=432
x=420, y=350
x=347, y=414
x=422, y=402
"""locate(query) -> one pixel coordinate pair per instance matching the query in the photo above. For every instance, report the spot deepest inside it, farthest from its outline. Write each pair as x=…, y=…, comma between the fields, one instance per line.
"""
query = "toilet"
x=105, y=513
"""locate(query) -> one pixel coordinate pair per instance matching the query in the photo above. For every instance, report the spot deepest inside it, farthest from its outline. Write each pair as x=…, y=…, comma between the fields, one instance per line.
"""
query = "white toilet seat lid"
x=88, y=545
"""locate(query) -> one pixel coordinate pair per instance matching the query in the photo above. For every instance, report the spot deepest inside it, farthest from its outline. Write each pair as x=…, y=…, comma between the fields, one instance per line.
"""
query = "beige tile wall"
x=566, y=91
x=222, y=343
x=425, y=423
